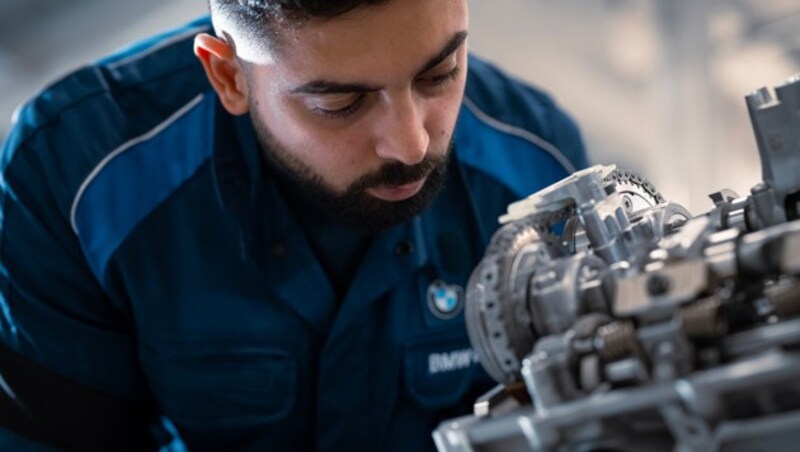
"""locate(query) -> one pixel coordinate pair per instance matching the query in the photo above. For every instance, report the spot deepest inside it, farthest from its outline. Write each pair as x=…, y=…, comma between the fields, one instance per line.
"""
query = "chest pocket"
x=440, y=370
x=221, y=386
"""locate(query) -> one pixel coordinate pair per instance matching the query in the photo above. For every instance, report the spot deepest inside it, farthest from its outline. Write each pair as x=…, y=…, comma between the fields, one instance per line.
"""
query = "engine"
x=613, y=319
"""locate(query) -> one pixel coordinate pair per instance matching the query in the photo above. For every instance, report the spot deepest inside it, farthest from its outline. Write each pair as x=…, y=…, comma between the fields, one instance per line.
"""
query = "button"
x=404, y=248
x=278, y=248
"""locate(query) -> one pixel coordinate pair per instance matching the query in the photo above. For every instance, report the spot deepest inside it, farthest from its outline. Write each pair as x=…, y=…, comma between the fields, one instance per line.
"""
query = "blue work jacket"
x=146, y=252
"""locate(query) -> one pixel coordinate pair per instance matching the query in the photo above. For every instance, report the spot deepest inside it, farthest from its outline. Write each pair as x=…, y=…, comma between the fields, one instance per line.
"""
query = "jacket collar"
x=441, y=236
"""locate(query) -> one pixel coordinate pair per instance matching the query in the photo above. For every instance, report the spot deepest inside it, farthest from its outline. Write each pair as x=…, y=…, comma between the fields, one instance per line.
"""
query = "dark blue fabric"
x=137, y=177
x=190, y=281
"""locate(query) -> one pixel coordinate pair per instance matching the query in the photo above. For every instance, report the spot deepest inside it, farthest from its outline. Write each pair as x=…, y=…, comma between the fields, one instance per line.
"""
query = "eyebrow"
x=330, y=87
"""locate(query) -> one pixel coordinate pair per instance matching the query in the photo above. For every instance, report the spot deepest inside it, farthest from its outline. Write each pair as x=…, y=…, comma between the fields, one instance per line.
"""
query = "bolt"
x=627, y=203
x=658, y=285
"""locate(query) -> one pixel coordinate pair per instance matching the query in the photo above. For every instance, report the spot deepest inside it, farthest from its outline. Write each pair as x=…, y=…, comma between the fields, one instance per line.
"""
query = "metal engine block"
x=615, y=320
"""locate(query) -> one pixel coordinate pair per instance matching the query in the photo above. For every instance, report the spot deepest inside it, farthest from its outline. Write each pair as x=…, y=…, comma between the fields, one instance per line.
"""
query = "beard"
x=354, y=206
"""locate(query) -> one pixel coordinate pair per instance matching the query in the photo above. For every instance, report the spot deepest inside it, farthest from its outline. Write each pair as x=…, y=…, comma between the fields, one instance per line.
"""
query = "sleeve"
x=68, y=352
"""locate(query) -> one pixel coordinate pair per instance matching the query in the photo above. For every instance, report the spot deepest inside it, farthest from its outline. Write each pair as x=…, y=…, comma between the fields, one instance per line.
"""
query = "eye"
x=339, y=112
x=439, y=80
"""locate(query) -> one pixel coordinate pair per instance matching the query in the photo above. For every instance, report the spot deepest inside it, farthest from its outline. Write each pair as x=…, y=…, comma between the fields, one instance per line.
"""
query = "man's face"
x=360, y=109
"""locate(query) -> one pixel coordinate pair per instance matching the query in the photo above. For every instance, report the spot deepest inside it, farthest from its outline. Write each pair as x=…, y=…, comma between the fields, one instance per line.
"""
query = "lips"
x=396, y=193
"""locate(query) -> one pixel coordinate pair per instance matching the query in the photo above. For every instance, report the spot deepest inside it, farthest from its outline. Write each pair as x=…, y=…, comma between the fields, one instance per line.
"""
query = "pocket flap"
x=440, y=370
x=222, y=387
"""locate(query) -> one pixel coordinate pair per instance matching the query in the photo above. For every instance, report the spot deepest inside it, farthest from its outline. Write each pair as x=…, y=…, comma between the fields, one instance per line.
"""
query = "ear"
x=223, y=71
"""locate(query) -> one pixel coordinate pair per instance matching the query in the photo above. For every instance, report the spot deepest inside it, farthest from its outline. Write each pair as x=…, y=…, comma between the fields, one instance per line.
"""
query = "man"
x=263, y=247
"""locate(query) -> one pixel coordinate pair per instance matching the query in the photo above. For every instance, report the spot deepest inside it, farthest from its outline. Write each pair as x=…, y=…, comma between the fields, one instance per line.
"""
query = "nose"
x=402, y=136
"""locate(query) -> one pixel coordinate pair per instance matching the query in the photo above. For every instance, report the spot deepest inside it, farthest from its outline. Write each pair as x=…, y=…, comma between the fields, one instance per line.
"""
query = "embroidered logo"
x=444, y=300
x=451, y=361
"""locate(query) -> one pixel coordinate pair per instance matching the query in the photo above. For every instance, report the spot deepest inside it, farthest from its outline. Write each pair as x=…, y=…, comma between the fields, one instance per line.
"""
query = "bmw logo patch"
x=444, y=300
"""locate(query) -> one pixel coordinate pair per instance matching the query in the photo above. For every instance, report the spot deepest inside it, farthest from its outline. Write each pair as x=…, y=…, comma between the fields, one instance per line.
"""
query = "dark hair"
x=293, y=10
x=263, y=18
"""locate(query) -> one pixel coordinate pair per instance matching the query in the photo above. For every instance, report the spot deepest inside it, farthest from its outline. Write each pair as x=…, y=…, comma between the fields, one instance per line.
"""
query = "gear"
x=498, y=320
x=637, y=194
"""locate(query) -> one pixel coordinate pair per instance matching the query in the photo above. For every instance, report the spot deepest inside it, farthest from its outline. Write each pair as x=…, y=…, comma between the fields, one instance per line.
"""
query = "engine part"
x=638, y=326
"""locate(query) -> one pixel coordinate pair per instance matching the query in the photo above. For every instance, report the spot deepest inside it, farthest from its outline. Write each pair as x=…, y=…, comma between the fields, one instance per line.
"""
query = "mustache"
x=397, y=173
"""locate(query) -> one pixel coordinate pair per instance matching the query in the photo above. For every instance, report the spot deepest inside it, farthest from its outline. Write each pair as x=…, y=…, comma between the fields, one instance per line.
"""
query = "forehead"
x=370, y=42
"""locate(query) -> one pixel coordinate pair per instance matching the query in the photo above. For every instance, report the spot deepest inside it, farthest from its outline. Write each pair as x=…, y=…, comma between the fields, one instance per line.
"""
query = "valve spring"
x=704, y=319
x=616, y=340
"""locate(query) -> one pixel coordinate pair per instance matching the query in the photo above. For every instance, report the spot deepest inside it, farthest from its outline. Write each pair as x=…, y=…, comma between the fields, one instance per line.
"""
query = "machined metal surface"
x=642, y=327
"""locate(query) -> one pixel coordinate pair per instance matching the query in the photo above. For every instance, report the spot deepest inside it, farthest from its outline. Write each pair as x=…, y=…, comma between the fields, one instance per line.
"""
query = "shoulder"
x=151, y=72
x=109, y=141
x=515, y=133
x=79, y=122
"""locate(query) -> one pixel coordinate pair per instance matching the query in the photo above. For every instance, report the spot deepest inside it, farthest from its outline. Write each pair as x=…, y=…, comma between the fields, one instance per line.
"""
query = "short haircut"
x=263, y=19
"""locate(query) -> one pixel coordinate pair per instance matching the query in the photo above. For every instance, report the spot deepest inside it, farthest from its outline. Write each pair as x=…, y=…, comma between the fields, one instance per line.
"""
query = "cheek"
x=335, y=156
x=442, y=120
x=338, y=157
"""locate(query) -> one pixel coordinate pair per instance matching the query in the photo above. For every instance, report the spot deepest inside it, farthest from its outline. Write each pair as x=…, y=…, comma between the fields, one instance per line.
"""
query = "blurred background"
x=657, y=86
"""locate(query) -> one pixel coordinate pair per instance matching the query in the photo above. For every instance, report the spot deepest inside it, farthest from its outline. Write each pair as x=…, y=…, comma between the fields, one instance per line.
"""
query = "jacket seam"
x=519, y=132
x=125, y=147
x=57, y=117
